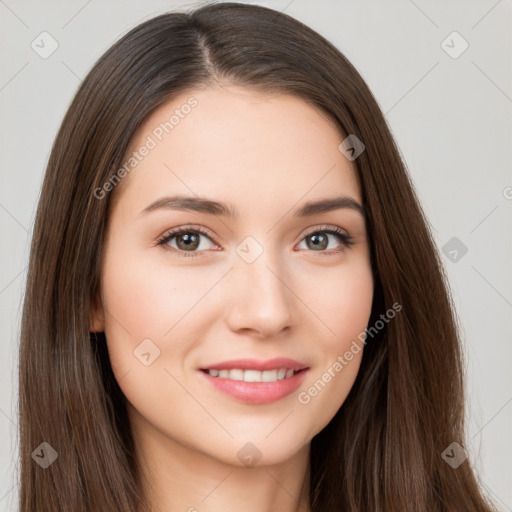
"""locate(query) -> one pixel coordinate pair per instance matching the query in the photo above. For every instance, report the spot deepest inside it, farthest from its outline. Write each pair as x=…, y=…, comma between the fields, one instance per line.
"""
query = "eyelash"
x=345, y=238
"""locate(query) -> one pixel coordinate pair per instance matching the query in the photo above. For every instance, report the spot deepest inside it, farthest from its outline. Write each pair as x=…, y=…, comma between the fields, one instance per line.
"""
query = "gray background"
x=450, y=116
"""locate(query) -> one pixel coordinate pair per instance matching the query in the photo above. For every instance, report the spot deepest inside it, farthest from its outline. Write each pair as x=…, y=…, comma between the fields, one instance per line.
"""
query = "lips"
x=255, y=381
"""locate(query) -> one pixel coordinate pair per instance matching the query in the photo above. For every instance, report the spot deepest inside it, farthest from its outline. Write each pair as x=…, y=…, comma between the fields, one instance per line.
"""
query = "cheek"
x=142, y=304
x=343, y=305
x=149, y=309
x=341, y=299
x=148, y=300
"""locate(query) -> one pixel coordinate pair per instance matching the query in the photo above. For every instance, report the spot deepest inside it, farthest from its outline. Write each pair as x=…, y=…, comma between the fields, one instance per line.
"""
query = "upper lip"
x=258, y=364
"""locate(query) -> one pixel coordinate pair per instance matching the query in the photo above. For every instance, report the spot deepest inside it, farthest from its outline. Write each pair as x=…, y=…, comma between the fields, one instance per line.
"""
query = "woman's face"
x=263, y=283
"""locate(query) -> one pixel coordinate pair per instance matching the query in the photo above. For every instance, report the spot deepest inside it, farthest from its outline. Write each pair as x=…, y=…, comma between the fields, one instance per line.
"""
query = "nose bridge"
x=261, y=299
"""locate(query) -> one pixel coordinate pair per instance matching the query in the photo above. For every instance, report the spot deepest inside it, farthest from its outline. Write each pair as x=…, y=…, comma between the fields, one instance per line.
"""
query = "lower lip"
x=257, y=392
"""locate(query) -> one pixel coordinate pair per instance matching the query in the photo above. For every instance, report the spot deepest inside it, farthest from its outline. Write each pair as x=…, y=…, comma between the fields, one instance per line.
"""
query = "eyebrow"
x=217, y=208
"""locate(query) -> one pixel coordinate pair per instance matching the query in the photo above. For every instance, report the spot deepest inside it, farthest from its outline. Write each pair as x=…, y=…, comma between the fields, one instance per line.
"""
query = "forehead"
x=237, y=144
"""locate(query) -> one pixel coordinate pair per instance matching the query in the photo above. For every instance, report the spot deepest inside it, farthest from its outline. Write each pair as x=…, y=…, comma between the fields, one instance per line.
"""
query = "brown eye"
x=318, y=241
x=186, y=240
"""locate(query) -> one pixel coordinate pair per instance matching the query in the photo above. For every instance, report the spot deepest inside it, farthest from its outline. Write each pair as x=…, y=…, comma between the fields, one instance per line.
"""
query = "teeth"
x=253, y=375
x=269, y=376
x=236, y=374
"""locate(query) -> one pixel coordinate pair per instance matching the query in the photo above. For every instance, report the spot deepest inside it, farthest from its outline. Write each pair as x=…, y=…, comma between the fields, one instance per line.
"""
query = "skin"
x=266, y=155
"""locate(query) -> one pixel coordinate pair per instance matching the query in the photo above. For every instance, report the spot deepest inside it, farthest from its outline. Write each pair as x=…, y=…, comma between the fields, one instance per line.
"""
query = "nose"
x=260, y=298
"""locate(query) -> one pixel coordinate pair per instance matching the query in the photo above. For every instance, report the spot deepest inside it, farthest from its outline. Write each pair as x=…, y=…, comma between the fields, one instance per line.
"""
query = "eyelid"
x=325, y=227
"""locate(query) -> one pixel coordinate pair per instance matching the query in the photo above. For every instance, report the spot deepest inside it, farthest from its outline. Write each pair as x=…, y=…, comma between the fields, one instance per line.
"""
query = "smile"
x=255, y=387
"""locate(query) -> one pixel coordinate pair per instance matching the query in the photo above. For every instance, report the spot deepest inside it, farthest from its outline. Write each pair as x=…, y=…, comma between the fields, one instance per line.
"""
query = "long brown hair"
x=383, y=449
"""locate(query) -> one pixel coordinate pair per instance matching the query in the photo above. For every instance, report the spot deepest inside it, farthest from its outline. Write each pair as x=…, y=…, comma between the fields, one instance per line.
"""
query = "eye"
x=318, y=240
x=188, y=240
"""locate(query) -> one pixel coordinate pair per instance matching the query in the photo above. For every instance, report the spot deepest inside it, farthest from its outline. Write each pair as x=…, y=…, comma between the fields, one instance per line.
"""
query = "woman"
x=233, y=297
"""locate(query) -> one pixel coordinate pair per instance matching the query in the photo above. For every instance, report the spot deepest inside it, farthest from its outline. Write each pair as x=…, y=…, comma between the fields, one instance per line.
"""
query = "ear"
x=97, y=316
